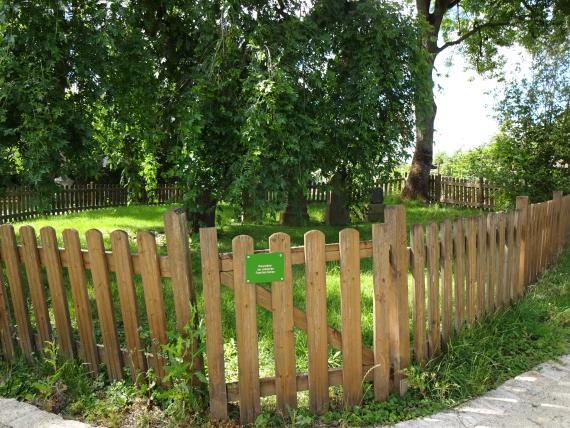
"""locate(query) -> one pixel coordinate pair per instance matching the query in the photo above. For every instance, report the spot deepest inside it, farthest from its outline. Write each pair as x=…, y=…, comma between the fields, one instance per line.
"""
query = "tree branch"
x=452, y=3
x=468, y=34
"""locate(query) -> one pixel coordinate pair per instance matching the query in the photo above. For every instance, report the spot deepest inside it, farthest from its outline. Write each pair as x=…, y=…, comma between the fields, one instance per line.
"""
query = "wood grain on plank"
x=83, y=315
x=418, y=274
x=104, y=300
x=211, y=289
x=128, y=300
x=57, y=290
x=10, y=256
x=316, y=320
x=246, y=333
x=283, y=334
x=382, y=277
x=31, y=259
x=433, y=262
x=153, y=297
x=350, y=315
x=447, y=279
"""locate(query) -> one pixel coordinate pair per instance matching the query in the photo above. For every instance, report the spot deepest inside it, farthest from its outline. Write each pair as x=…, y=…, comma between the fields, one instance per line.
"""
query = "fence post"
x=522, y=226
x=176, y=230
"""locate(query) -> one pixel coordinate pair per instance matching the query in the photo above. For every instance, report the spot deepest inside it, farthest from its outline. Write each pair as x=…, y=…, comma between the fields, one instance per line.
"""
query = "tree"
x=321, y=100
x=481, y=28
x=232, y=99
x=365, y=103
x=50, y=53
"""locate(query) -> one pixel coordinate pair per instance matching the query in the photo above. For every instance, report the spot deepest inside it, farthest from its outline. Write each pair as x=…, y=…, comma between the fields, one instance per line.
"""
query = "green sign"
x=264, y=267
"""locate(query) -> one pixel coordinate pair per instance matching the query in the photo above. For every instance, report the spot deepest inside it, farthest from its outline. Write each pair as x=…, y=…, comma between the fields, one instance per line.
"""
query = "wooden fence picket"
x=511, y=250
x=482, y=265
x=350, y=313
x=417, y=241
x=471, y=282
x=54, y=270
x=315, y=280
x=433, y=261
x=447, y=279
x=124, y=272
x=491, y=261
x=502, y=272
x=78, y=281
x=104, y=300
x=10, y=256
x=381, y=327
x=34, y=276
x=283, y=335
x=5, y=322
x=459, y=277
x=183, y=289
x=395, y=217
x=211, y=289
x=154, y=300
x=246, y=333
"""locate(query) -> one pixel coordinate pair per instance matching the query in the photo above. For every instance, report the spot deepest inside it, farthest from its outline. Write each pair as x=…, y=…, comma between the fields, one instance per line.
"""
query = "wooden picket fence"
x=461, y=270
x=23, y=202
x=459, y=192
x=51, y=273
x=463, y=192
x=90, y=301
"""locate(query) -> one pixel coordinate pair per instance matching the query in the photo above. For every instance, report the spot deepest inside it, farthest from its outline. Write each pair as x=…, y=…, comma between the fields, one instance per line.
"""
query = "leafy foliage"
x=231, y=98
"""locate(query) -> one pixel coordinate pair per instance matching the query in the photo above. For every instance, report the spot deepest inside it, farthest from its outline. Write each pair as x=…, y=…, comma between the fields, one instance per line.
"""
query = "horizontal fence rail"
x=20, y=203
x=460, y=271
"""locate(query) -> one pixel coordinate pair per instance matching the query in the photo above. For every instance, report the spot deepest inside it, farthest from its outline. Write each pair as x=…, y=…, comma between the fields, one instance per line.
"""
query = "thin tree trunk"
x=296, y=213
x=337, y=206
x=203, y=214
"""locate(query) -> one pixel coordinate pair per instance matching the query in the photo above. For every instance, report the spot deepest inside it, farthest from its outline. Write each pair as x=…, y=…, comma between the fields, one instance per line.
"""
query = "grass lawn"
x=135, y=218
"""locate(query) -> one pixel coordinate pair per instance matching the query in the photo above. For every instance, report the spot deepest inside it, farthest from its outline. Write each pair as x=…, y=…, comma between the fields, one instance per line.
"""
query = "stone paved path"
x=538, y=398
x=15, y=414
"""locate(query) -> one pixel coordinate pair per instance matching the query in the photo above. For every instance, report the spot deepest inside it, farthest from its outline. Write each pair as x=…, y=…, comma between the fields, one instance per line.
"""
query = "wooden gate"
x=381, y=364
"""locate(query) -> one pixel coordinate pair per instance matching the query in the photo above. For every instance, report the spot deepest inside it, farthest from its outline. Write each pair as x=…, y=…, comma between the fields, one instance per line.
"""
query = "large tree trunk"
x=296, y=213
x=417, y=184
